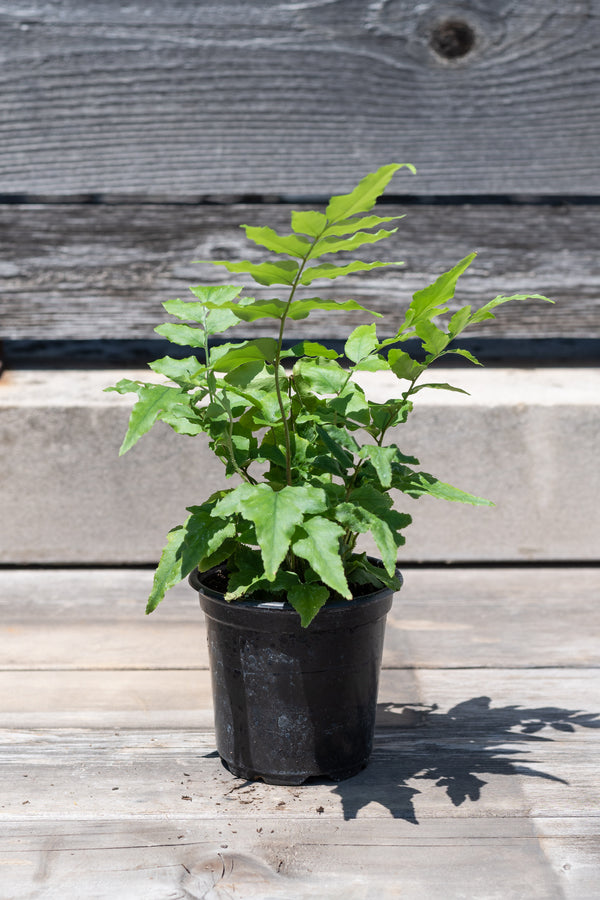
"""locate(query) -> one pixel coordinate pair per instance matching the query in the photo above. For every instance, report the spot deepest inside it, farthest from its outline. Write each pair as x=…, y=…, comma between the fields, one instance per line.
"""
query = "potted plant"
x=295, y=611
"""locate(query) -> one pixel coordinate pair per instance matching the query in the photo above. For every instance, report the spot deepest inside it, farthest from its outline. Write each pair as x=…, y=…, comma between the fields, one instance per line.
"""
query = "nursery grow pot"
x=293, y=703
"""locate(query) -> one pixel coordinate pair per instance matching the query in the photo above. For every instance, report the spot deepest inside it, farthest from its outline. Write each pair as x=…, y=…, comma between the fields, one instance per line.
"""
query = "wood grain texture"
x=284, y=858
x=76, y=271
x=483, y=781
x=454, y=791
x=196, y=98
x=148, y=771
x=93, y=620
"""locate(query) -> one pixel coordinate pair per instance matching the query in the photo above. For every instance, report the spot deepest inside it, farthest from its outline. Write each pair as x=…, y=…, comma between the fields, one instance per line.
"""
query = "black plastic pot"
x=293, y=703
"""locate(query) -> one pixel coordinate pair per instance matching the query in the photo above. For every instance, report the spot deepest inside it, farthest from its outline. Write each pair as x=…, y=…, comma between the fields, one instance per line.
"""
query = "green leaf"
x=254, y=375
x=382, y=458
x=404, y=459
x=440, y=386
x=460, y=351
x=386, y=415
x=184, y=335
x=307, y=600
x=434, y=340
x=340, y=444
x=187, y=545
x=376, y=363
x=320, y=546
x=216, y=294
x=260, y=309
x=385, y=523
x=268, y=404
x=275, y=515
x=124, y=386
x=211, y=317
x=326, y=464
x=328, y=270
x=388, y=539
x=183, y=419
x=242, y=582
x=364, y=195
x=204, y=536
x=485, y=312
x=350, y=226
x=403, y=365
x=219, y=320
x=353, y=517
x=221, y=555
x=271, y=453
x=246, y=575
x=323, y=376
x=432, y=298
x=375, y=574
x=169, y=571
x=267, y=273
x=260, y=350
x=416, y=484
x=351, y=404
x=379, y=507
x=289, y=243
x=459, y=321
x=300, y=309
x=361, y=343
x=187, y=373
x=153, y=399
x=337, y=244
x=216, y=412
x=309, y=222
x=312, y=349
x=192, y=311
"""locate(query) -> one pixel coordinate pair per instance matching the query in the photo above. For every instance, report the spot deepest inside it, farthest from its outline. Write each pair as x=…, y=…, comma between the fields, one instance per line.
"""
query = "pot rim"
x=250, y=610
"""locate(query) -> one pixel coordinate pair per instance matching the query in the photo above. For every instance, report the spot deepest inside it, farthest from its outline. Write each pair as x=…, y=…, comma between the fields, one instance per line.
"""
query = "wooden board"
x=460, y=790
x=199, y=99
x=284, y=858
x=102, y=271
x=483, y=781
x=182, y=698
x=414, y=774
x=450, y=618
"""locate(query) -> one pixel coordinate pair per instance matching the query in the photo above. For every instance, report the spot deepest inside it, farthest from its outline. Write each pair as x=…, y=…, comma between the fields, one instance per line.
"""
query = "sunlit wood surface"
x=483, y=782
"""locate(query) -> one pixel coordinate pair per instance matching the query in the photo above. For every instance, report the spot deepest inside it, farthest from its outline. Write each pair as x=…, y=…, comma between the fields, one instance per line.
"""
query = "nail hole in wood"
x=452, y=39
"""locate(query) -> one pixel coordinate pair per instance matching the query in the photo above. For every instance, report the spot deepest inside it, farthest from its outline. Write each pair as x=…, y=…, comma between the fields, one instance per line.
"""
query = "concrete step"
x=529, y=439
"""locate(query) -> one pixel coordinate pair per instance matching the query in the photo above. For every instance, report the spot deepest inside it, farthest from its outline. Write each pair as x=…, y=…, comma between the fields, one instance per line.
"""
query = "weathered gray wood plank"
x=527, y=740
x=79, y=271
x=413, y=774
x=172, y=698
x=78, y=802
x=278, y=97
x=509, y=617
x=574, y=860
x=284, y=858
x=483, y=781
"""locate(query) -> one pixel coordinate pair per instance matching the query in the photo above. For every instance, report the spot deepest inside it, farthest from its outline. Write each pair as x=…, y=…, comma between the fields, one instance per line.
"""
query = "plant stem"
x=213, y=398
x=284, y=421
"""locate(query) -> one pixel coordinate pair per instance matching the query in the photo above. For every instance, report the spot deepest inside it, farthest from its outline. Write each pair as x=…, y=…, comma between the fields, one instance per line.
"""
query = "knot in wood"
x=452, y=39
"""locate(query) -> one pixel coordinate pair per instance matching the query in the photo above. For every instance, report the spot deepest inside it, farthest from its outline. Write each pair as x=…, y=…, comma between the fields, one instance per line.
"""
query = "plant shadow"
x=454, y=750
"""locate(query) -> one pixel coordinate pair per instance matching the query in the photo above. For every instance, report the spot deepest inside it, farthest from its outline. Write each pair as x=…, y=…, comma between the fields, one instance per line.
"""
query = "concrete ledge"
x=527, y=439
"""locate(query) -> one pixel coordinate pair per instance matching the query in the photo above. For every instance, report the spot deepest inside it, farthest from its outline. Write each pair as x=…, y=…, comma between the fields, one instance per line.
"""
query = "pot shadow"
x=453, y=749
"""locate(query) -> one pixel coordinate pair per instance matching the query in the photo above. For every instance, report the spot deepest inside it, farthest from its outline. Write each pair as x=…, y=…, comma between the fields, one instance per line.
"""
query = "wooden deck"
x=134, y=139
x=484, y=782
